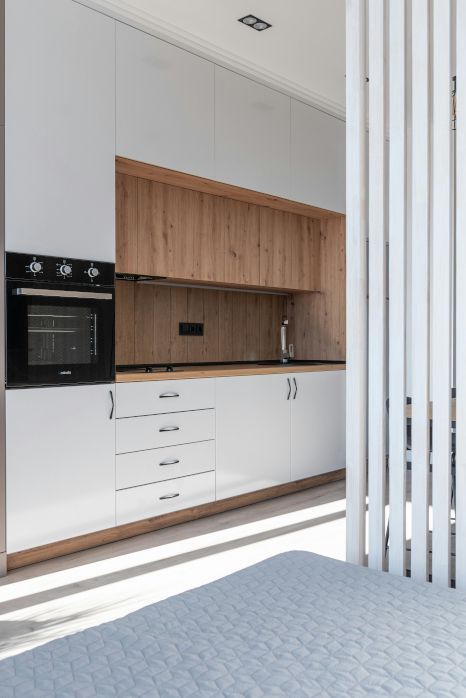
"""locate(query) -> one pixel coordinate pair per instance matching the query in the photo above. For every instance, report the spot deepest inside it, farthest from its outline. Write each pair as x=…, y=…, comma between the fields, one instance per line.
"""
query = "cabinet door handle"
x=170, y=496
x=169, y=461
x=295, y=388
x=169, y=395
x=289, y=389
x=113, y=404
x=169, y=429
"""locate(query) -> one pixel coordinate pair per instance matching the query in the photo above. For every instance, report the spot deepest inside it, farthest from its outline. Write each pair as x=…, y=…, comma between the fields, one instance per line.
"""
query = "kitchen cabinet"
x=252, y=134
x=317, y=423
x=60, y=452
x=164, y=104
x=253, y=434
x=289, y=251
x=60, y=130
x=277, y=428
x=317, y=158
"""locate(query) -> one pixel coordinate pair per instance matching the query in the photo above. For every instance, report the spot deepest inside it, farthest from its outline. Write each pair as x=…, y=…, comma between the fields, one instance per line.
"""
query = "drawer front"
x=156, y=465
x=158, y=397
x=158, y=431
x=160, y=498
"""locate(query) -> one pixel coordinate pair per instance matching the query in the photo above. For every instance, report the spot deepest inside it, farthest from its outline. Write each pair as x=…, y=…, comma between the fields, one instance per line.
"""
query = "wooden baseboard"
x=112, y=535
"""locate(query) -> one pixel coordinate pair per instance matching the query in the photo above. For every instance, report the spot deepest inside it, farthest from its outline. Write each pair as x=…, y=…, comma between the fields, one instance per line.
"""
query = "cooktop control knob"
x=35, y=267
x=65, y=269
x=93, y=272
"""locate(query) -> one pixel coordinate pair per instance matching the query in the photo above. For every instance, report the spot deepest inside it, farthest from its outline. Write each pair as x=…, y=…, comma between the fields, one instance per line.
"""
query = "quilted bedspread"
x=295, y=625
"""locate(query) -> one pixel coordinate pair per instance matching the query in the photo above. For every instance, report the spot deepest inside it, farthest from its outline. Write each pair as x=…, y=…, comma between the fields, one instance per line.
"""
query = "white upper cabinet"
x=165, y=104
x=60, y=130
x=252, y=134
x=317, y=158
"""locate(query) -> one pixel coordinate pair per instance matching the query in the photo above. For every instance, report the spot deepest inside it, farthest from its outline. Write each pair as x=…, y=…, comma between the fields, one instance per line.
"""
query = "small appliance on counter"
x=60, y=321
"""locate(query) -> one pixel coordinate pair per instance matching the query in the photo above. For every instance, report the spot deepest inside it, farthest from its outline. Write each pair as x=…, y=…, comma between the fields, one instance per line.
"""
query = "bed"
x=297, y=624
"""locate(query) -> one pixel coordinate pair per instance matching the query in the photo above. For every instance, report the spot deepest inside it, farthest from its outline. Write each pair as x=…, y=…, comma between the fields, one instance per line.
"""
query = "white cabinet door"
x=252, y=134
x=253, y=434
x=317, y=158
x=60, y=454
x=165, y=104
x=317, y=423
x=60, y=130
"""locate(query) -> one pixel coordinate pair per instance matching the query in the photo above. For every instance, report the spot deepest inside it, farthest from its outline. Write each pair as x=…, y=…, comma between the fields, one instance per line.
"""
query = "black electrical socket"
x=191, y=329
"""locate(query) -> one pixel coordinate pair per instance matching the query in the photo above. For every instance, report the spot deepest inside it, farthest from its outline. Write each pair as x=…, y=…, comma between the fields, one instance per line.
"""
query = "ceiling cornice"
x=120, y=11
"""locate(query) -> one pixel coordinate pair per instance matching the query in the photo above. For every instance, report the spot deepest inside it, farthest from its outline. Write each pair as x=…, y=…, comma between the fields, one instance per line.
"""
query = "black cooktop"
x=169, y=368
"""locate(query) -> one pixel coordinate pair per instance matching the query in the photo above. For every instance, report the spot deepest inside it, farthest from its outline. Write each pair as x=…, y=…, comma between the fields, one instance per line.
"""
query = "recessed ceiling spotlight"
x=255, y=23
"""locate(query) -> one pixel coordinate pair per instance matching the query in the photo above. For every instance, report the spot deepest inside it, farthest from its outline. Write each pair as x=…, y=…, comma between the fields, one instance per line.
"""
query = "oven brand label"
x=64, y=373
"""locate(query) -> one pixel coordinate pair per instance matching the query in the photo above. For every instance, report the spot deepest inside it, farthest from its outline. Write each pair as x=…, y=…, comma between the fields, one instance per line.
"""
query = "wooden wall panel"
x=272, y=311
x=124, y=329
x=126, y=223
x=238, y=326
x=318, y=320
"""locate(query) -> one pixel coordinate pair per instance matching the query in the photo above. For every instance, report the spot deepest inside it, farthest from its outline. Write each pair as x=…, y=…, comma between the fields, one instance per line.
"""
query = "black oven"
x=60, y=321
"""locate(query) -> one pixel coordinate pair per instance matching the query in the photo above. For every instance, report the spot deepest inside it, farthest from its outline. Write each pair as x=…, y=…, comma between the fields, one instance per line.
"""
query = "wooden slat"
x=397, y=286
x=420, y=287
x=209, y=186
x=377, y=287
x=461, y=295
x=356, y=322
x=441, y=291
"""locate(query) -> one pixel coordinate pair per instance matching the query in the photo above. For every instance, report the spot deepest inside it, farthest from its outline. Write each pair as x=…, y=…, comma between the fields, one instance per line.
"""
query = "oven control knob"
x=93, y=272
x=35, y=267
x=65, y=269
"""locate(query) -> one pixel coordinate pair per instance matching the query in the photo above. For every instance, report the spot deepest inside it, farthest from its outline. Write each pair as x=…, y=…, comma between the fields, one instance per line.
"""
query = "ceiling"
x=303, y=53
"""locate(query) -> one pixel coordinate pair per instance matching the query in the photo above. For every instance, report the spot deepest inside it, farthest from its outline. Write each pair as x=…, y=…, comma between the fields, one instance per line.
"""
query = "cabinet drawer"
x=158, y=397
x=156, y=465
x=157, y=431
x=160, y=498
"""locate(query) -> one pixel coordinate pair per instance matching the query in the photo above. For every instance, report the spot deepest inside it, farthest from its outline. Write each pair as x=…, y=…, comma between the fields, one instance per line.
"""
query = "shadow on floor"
x=153, y=566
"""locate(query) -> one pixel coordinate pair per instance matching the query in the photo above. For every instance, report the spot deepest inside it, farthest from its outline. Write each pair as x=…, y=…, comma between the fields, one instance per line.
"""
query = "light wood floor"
x=52, y=599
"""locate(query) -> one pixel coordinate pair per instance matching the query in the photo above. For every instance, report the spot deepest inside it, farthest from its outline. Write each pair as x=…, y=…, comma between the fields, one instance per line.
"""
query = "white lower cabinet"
x=155, y=465
x=253, y=433
x=60, y=450
x=156, y=431
x=317, y=423
x=144, y=502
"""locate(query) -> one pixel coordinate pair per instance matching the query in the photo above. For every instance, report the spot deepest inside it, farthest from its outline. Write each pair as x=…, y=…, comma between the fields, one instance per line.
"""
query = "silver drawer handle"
x=169, y=461
x=169, y=395
x=169, y=429
x=170, y=496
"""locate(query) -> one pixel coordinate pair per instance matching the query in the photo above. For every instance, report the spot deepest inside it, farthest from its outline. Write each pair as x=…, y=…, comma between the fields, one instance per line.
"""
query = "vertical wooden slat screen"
x=377, y=285
x=397, y=285
x=461, y=295
x=356, y=310
x=416, y=192
x=420, y=287
x=441, y=291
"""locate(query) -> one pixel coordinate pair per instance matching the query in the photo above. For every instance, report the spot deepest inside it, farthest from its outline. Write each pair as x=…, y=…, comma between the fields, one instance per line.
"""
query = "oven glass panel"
x=61, y=335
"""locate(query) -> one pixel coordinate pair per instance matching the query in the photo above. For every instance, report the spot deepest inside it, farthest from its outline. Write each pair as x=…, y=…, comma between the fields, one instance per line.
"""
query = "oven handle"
x=52, y=293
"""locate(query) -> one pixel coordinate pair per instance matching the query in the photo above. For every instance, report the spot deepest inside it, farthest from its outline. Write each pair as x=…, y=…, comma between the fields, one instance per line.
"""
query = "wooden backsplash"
x=238, y=326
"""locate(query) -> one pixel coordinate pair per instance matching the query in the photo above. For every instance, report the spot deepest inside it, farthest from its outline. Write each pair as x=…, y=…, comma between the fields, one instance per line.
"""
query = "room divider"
x=406, y=286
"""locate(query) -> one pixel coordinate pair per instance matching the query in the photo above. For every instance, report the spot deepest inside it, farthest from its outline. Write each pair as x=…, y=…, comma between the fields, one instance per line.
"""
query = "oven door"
x=59, y=335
